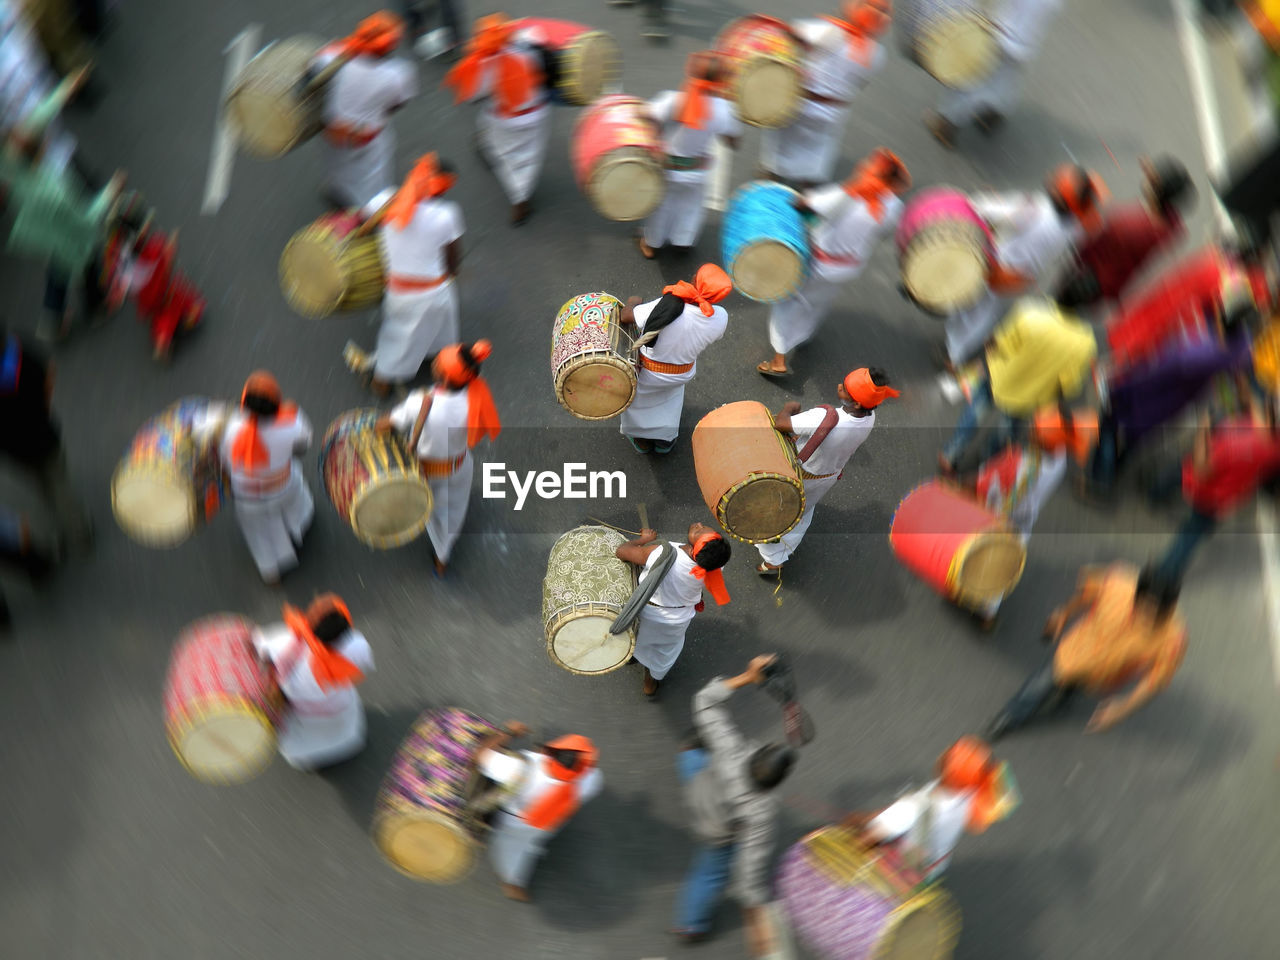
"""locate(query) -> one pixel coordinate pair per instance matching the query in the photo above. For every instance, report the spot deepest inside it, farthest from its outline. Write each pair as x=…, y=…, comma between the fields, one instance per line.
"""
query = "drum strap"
x=420, y=424
x=641, y=595
x=829, y=421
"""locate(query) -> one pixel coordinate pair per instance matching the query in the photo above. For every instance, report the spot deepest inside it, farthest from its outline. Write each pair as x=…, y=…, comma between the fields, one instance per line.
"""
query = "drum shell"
x=323, y=268
x=590, y=348
x=916, y=22
x=616, y=131
x=745, y=46
x=586, y=580
x=764, y=243
x=263, y=107
x=590, y=60
x=736, y=447
x=939, y=208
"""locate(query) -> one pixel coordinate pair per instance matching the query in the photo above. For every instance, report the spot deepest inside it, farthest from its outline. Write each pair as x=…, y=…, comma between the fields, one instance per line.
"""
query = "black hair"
x=262, y=406
x=713, y=555
x=664, y=314
x=1172, y=185
x=878, y=376
x=331, y=626
x=569, y=759
x=1160, y=588
x=712, y=69
x=770, y=765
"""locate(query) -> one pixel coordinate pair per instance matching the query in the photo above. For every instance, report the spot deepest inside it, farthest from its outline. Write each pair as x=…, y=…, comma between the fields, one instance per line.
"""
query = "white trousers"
x=414, y=326
x=514, y=848
x=968, y=330
x=999, y=92
x=655, y=412
x=795, y=320
x=660, y=638
x=451, y=495
x=358, y=174
x=678, y=220
x=516, y=146
x=273, y=527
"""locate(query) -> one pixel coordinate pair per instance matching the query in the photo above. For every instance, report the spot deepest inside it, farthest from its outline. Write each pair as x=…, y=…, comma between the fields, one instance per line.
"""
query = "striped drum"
x=765, y=248
x=584, y=591
x=325, y=267
x=586, y=61
x=618, y=160
x=591, y=365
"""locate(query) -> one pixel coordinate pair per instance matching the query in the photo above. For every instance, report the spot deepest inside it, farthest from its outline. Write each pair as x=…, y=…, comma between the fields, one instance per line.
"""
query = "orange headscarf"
x=515, y=77
x=426, y=179
x=376, y=36
x=863, y=20
x=694, y=108
x=561, y=800
x=882, y=173
x=713, y=580
x=329, y=668
x=710, y=286
x=482, y=414
x=247, y=449
x=864, y=391
x=968, y=765
x=1083, y=192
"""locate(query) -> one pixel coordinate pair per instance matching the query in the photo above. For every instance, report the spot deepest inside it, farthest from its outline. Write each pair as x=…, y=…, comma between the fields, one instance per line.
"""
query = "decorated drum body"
x=324, y=268
x=591, y=365
x=764, y=244
x=589, y=60
x=952, y=40
x=618, y=160
x=584, y=591
x=765, y=66
x=945, y=251
x=264, y=109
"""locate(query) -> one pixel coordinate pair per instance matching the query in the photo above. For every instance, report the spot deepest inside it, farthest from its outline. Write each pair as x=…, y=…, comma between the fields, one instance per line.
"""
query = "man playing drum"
x=665, y=618
x=421, y=241
x=318, y=658
x=691, y=120
x=825, y=438
x=851, y=219
x=840, y=57
x=442, y=425
x=685, y=321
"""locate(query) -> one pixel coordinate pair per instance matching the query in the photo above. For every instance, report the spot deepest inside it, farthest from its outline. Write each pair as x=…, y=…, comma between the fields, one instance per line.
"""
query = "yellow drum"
x=325, y=268
x=591, y=365
x=268, y=108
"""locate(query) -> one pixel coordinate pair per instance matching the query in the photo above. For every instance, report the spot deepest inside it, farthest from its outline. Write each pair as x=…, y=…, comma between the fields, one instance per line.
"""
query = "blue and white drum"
x=764, y=243
x=952, y=40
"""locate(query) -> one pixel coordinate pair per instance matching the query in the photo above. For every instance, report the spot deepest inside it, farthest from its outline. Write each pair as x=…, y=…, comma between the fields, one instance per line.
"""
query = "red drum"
x=588, y=60
x=618, y=159
x=766, y=69
x=945, y=251
x=951, y=542
x=221, y=704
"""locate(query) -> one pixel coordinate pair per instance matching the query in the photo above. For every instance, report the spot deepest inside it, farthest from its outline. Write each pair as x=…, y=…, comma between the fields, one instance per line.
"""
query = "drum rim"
x=944, y=311
x=301, y=234
x=561, y=375
x=998, y=531
x=599, y=169
x=395, y=540
x=752, y=477
x=933, y=895
x=213, y=705
x=193, y=513
x=578, y=612
x=381, y=827
x=737, y=83
x=250, y=144
x=988, y=27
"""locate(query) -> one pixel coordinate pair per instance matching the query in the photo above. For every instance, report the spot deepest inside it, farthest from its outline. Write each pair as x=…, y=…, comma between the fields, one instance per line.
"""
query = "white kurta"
x=806, y=151
x=843, y=240
x=444, y=437
x=320, y=727
x=515, y=145
x=678, y=220
x=826, y=462
x=666, y=616
x=655, y=412
x=927, y=840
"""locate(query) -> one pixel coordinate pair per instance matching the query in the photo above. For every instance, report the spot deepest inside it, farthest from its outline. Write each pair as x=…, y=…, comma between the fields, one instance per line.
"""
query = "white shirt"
x=847, y=232
x=537, y=781
x=681, y=141
x=366, y=90
x=829, y=70
x=679, y=588
x=841, y=443
x=934, y=842
x=686, y=336
x=281, y=442
x=444, y=436
x=418, y=250
x=1031, y=238
x=1022, y=24
x=292, y=661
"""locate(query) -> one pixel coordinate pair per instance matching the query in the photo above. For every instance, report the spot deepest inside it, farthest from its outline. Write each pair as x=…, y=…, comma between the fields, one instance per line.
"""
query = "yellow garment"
x=1039, y=351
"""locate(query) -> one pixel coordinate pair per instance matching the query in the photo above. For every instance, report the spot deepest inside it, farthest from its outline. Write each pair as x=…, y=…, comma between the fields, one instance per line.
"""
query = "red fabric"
x=168, y=298
x=1175, y=301
x=1130, y=236
x=516, y=80
x=561, y=800
x=1242, y=455
x=1002, y=469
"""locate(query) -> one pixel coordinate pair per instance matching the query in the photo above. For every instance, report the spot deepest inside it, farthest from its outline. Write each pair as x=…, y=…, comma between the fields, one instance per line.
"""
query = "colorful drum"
x=958, y=547
x=584, y=591
x=169, y=483
x=952, y=40
x=763, y=242
x=221, y=704
x=765, y=69
x=945, y=251
x=587, y=61
x=747, y=472
x=847, y=903
x=374, y=481
x=324, y=268
x=267, y=108
x=618, y=158
x=591, y=364
x=421, y=823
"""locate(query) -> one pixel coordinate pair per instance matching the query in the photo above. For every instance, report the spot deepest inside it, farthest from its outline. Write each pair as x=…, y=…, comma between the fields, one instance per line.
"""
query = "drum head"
x=990, y=567
x=312, y=274
x=767, y=270
x=627, y=185
x=584, y=645
x=153, y=505
x=596, y=57
x=263, y=108
x=763, y=509
x=597, y=388
x=392, y=512
x=425, y=845
x=768, y=92
x=228, y=744
x=960, y=51
x=922, y=927
x=944, y=275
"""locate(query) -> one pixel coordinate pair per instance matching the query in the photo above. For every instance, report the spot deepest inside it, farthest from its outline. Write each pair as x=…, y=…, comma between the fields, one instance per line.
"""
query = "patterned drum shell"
x=591, y=366
x=765, y=66
x=945, y=251
x=264, y=109
x=584, y=591
x=618, y=159
x=590, y=60
x=323, y=269
x=764, y=245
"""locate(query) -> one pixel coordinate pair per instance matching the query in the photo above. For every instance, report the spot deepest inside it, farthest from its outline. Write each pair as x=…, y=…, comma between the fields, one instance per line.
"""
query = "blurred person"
x=690, y=119
x=57, y=26
x=442, y=424
x=685, y=321
x=1130, y=636
x=840, y=56
x=504, y=69
x=421, y=241
x=665, y=619
x=20, y=553
x=849, y=220
x=728, y=791
x=319, y=658
x=825, y=437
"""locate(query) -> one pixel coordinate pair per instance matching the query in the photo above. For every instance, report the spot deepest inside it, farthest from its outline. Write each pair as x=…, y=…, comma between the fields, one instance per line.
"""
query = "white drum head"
x=959, y=51
x=944, y=275
x=266, y=125
x=768, y=92
x=227, y=747
x=153, y=505
x=425, y=845
x=627, y=188
x=767, y=270
x=392, y=512
x=598, y=60
x=597, y=389
x=584, y=645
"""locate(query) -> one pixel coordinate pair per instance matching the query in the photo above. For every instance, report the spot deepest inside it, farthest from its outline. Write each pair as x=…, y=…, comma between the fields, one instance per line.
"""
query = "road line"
x=1267, y=546
x=721, y=161
x=223, y=153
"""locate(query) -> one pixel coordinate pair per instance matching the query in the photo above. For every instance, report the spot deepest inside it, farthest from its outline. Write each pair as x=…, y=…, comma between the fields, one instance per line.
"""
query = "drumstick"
x=612, y=527
x=374, y=221
x=644, y=517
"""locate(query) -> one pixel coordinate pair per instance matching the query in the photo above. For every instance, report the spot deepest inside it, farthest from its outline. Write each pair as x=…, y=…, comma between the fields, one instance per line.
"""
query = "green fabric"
x=55, y=220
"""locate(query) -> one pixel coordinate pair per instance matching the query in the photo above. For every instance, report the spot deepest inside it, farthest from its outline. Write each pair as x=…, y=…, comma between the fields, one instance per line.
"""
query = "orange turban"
x=515, y=77
x=864, y=391
x=247, y=448
x=693, y=104
x=426, y=179
x=710, y=286
x=377, y=35
x=1082, y=191
x=879, y=175
x=456, y=373
x=329, y=668
x=713, y=580
x=560, y=801
x=968, y=765
x=863, y=20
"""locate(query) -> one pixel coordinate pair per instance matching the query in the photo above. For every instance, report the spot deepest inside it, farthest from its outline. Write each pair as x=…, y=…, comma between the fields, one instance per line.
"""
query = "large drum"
x=617, y=156
x=325, y=267
x=170, y=483
x=373, y=481
x=585, y=590
x=221, y=704
x=847, y=903
x=269, y=108
x=586, y=60
x=765, y=69
x=945, y=251
x=763, y=242
x=591, y=364
x=421, y=823
x=958, y=547
x=952, y=40
x=748, y=472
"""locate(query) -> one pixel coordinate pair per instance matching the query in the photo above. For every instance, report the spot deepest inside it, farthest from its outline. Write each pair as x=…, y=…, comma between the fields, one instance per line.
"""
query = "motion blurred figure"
x=20, y=553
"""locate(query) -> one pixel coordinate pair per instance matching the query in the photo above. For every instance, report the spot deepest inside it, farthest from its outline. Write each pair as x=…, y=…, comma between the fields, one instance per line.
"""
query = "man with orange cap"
x=825, y=438
x=691, y=119
x=318, y=657
x=442, y=424
x=421, y=240
x=358, y=106
x=841, y=56
x=676, y=327
x=850, y=220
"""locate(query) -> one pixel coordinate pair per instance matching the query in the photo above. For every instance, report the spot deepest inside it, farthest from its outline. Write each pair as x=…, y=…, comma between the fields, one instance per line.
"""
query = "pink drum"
x=618, y=159
x=945, y=251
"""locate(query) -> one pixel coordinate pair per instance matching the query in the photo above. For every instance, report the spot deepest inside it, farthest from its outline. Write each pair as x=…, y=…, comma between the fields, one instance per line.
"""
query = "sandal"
x=765, y=368
x=769, y=570
x=640, y=444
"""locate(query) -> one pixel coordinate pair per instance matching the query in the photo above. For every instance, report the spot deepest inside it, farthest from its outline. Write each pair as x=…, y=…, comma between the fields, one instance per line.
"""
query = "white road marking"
x=1267, y=546
x=223, y=153
x=721, y=161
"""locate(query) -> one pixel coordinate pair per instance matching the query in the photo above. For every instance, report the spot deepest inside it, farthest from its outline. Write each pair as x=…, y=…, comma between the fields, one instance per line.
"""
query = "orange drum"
x=951, y=542
x=618, y=159
x=765, y=69
x=748, y=472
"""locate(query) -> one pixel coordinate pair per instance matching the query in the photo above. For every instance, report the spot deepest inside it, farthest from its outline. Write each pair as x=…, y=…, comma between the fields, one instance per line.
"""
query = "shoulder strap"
x=829, y=421
x=416, y=434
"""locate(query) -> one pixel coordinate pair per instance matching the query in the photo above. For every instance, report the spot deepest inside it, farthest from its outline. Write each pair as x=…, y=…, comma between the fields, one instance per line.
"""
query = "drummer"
x=826, y=438
x=318, y=658
x=358, y=106
x=841, y=55
x=448, y=420
x=851, y=219
x=665, y=619
x=421, y=240
x=685, y=321
x=505, y=71
x=691, y=120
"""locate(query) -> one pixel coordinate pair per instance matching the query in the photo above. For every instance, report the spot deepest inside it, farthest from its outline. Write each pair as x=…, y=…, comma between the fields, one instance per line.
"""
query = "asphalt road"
x=1156, y=840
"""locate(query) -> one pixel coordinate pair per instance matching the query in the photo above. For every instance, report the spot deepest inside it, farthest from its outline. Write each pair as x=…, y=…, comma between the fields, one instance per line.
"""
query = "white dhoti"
x=807, y=150
x=999, y=93
x=414, y=326
x=780, y=552
x=969, y=329
x=273, y=527
x=795, y=320
x=514, y=848
x=678, y=220
x=1023, y=516
x=655, y=412
x=661, y=637
x=451, y=496
x=358, y=174
x=516, y=147
x=307, y=741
